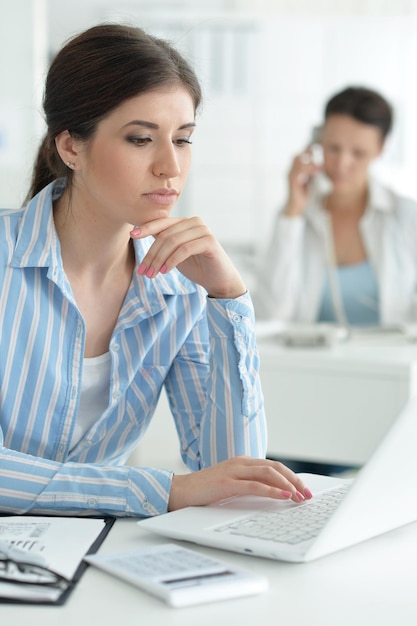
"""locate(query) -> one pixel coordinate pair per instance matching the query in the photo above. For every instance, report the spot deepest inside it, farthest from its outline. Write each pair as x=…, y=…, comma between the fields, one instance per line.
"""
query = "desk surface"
x=373, y=583
x=334, y=404
x=374, y=349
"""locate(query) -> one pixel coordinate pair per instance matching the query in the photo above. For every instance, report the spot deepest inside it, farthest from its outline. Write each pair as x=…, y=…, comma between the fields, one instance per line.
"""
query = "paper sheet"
x=60, y=543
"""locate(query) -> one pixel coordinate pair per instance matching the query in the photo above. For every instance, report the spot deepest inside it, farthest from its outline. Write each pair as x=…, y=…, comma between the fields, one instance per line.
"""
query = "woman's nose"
x=166, y=163
x=343, y=161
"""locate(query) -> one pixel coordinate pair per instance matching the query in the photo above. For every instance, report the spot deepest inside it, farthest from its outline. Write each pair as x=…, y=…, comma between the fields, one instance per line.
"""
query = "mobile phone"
x=180, y=576
x=315, y=146
x=321, y=181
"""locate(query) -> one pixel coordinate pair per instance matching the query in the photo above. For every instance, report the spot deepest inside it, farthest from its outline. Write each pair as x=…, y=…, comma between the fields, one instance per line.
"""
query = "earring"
x=70, y=164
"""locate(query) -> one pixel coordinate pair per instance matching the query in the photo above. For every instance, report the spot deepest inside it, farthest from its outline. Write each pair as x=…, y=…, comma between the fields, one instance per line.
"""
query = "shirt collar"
x=380, y=199
x=38, y=245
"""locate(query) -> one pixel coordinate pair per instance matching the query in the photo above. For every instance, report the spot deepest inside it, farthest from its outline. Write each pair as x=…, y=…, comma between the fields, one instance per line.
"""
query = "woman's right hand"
x=302, y=170
x=238, y=476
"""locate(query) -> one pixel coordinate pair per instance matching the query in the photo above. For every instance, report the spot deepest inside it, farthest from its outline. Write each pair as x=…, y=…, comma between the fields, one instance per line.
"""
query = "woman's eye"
x=139, y=141
x=182, y=142
x=142, y=141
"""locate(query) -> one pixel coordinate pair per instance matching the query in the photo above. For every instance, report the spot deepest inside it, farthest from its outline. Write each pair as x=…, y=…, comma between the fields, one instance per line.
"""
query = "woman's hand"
x=302, y=170
x=239, y=476
x=189, y=245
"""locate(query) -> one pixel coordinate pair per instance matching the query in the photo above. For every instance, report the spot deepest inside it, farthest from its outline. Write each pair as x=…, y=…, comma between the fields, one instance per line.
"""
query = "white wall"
x=23, y=57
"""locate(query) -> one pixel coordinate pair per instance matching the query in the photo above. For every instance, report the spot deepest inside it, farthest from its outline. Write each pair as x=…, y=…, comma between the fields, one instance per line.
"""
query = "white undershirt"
x=95, y=384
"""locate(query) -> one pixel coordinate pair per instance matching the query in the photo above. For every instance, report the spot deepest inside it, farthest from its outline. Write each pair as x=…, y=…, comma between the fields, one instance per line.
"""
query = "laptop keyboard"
x=297, y=524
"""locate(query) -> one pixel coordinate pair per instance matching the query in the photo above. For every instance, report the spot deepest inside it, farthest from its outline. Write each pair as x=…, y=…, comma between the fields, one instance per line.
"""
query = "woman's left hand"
x=237, y=476
x=189, y=245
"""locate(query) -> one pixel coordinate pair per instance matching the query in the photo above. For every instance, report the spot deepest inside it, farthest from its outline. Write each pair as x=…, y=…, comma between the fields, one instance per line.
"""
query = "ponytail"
x=48, y=166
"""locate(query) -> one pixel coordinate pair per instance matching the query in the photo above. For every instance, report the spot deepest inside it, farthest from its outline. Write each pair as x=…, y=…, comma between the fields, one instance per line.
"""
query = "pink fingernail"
x=163, y=269
x=286, y=494
x=142, y=268
x=308, y=493
x=135, y=232
x=150, y=272
x=299, y=496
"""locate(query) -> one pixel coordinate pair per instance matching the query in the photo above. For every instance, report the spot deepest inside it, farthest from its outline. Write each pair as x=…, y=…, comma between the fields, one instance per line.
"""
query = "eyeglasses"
x=23, y=572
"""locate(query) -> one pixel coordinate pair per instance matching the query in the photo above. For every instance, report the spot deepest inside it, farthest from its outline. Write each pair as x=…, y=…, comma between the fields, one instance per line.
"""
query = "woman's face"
x=349, y=147
x=134, y=168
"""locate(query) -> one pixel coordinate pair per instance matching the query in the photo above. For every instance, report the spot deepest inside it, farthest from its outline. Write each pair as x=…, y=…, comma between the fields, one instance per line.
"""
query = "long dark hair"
x=94, y=73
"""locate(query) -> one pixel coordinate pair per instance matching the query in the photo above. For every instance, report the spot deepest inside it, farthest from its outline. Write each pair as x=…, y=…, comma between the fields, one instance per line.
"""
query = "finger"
x=268, y=476
x=168, y=251
x=294, y=479
x=257, y=488
x=171, y=225
x=287, y=479
x=154, y=227
x=164, y=256
x=305, y=157
x=306, y=168
x=302, y=178
x=266, y=491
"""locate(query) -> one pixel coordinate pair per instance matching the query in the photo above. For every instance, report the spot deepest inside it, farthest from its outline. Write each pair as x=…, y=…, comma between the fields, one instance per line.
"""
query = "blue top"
x=169, y=333
x=360, y=297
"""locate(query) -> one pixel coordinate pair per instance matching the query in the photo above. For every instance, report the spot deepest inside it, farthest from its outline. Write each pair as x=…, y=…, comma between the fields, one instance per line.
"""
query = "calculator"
x=179, y=576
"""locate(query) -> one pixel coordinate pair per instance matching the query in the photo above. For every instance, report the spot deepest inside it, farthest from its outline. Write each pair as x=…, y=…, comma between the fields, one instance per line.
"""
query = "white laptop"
x=381, y=497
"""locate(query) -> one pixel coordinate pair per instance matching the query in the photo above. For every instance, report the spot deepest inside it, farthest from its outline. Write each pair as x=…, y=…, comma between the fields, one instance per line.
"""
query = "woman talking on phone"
x=344, y=247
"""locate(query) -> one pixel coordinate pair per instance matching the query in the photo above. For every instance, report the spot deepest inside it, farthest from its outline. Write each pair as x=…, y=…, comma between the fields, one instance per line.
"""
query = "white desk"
x=373, y=583
x=333, y=404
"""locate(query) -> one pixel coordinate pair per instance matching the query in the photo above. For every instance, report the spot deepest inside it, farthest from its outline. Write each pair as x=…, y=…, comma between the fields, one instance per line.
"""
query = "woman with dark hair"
x=105, y=298
x=344, y=247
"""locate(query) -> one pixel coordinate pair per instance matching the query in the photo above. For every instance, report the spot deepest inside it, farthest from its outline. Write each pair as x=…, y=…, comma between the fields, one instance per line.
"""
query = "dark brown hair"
x=93, y=74
x=364, y=105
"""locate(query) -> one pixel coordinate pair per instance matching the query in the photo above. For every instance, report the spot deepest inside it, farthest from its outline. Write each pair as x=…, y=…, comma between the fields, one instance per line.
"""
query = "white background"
x=267, y=69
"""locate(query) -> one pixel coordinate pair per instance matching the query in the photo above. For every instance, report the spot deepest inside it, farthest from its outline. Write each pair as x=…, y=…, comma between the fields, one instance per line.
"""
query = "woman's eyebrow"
x=146, y=124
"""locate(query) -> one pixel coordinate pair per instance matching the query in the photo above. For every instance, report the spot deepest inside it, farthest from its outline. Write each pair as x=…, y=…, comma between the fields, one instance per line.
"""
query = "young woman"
x=347, y=254
x=105, y=298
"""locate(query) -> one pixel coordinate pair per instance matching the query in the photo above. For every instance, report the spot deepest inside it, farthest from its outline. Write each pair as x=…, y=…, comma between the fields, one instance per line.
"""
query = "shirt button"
x=116, y=347
x=237, y=318
x=146, y=504
x=91, y=501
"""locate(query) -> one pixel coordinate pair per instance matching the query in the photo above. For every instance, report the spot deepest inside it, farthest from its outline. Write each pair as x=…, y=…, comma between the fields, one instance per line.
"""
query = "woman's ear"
x=68, y=149
x=381, y=146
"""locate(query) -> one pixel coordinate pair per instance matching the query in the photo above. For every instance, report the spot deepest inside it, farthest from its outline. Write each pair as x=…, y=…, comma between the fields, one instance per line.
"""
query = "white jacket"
x=290, y=283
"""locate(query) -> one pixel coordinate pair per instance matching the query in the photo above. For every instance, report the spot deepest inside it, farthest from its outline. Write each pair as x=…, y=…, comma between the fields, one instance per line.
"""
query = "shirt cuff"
x=227, y=317
x=148, y=491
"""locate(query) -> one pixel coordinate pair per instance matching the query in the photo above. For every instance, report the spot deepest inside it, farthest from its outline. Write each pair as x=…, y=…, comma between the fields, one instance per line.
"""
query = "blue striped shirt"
x=168, y=333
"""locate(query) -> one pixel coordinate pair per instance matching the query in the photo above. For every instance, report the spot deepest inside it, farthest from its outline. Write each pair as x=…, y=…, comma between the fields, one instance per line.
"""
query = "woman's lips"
x=162, y=196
